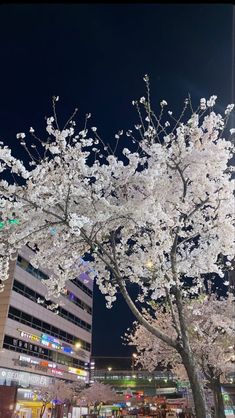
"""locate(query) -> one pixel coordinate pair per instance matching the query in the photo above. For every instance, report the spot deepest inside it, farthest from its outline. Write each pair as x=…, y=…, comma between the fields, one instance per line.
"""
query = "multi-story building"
x=40, y=341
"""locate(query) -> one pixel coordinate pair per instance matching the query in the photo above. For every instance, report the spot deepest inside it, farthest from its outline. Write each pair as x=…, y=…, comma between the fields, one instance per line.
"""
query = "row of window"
x=81, y=286
x=38, y=274
x=49, y=329
x=74, y=299
x=33, y=350
x=25, y=265
x=137, y=376
x=34, y=296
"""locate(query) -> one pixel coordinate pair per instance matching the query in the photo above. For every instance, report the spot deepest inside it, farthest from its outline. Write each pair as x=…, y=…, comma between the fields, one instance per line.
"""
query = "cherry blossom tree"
x=60, y=391
x=95, y=395
x=210, y=323
x=148, y=215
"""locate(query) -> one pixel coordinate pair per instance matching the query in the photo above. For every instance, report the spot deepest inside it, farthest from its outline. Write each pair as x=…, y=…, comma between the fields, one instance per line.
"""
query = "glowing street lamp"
x=134, y=355
x=109, y=369
x=78, y=345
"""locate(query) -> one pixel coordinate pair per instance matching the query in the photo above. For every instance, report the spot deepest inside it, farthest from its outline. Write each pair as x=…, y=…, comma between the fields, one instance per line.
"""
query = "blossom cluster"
x=211, y=329
x=126, y=212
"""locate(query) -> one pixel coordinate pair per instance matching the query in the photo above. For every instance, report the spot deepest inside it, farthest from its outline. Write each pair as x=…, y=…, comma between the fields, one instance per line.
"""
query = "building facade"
x=41, y=340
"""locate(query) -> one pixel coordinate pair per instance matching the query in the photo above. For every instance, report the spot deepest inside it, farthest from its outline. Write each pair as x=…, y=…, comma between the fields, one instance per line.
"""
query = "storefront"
x=28, y=405
x=21, y=384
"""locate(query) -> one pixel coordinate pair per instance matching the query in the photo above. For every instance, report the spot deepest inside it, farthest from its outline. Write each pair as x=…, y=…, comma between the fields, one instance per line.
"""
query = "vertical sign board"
x=7, y=401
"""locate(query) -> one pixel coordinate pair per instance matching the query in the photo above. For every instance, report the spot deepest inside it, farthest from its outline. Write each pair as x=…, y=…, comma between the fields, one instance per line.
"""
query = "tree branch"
x=142, y=320
x=175, y=325
x=115, y=270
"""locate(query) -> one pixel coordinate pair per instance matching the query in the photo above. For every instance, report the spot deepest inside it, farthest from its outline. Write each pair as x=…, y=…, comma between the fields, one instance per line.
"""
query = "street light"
x=109, y=369
x=78, y=344
x=134, y=355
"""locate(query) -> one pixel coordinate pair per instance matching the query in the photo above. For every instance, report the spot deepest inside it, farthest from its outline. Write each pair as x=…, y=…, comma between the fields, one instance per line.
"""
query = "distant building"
x=121, y=373
x=38, y=345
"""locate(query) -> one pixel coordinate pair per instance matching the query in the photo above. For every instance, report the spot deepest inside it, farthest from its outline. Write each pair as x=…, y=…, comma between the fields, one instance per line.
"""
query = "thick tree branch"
x=142, y=320
x=175, y=324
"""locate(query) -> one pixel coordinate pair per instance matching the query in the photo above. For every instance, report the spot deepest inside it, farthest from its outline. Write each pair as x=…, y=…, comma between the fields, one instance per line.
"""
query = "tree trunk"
x=196, y=385
x=188, y=360
x=218, y=398
x=184, y=350
x=43, y=408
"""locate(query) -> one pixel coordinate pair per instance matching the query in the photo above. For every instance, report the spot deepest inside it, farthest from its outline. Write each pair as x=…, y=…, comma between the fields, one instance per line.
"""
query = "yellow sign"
x=80, y=372
x=29, y=336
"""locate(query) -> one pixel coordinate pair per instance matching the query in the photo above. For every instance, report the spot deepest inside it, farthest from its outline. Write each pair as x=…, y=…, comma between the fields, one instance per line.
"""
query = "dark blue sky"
x=94, y=57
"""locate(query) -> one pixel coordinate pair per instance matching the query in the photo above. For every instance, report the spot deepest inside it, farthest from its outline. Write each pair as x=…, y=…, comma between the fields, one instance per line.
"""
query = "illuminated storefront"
x=29, y=406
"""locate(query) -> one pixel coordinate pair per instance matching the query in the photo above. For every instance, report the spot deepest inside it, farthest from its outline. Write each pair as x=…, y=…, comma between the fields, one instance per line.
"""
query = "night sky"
x=94, y=57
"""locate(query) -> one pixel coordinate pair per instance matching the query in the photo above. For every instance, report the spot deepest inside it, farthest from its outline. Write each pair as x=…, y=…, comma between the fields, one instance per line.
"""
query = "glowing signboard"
x=80, y=372
x=50, y=342
x=47, y=341
x=29, y=336
x=27, y=359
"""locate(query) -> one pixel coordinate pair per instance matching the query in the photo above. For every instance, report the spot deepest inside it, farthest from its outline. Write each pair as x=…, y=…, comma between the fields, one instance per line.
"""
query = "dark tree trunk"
x=43, y=408
x=187, y=356
x=196, y=385
x=183, y=349
x=218, y=398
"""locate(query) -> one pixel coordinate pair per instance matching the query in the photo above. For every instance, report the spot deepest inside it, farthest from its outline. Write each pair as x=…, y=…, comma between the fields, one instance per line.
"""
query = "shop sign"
x=22, y=378
x=47, y=341
x=29, y=336
x=26, y=394
x=56, y=371
x=46, y=366
x=163, y=391
x=79, y=372
x=27, y=359
x=50, y=342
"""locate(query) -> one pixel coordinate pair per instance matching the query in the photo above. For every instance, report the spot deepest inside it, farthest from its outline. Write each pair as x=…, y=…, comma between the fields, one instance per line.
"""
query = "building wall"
x=4, y=302
x=21, y=335
x=7, y=401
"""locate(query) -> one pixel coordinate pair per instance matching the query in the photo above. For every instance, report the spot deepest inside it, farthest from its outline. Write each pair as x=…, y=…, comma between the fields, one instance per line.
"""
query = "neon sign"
x=50, y=342
x=67, y=350
x=28, y=360
x=47, y=341
x=52, y=367
x=80, y=372
x=29, y=336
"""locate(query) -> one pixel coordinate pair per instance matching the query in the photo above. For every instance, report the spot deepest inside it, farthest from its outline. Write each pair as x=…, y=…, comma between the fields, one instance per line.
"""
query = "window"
x=81, y=286
x=25, y=265
x=63, y=334
x=43, y=353
x=26, y=317
x=32, y=295
x=74, y=299
x=36, y=323
x=46, y=327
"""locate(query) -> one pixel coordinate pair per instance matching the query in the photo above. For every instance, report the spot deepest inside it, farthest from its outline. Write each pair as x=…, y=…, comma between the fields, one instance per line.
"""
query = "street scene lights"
x=78, y=345
x=134, y=355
